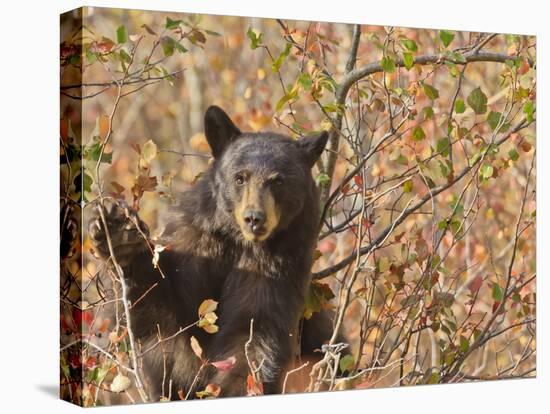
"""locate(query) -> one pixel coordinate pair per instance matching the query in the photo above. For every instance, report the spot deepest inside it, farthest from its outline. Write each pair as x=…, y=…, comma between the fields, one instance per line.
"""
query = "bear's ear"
x=312, y=146
x=219, y=130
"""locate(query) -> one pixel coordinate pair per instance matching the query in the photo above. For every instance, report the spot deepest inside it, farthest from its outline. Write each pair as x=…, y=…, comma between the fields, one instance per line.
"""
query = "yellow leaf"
x=149, y=151
x=383, y=264
x=207, y=306
x=196, y=347
x=211, y=317
x=211, y=328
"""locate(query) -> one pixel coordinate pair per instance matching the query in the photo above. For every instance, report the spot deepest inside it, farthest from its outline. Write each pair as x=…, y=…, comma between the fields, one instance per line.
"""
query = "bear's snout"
x=254, y=219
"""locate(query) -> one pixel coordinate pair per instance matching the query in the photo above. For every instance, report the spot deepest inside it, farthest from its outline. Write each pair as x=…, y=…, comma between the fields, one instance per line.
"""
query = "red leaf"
x=226, y=364
x=524, y=67
x=475, y=285
x=74, y=361
x=80, y=316
x=358, y=180
x=88, y=317
x=101, y=47
x=90, y=362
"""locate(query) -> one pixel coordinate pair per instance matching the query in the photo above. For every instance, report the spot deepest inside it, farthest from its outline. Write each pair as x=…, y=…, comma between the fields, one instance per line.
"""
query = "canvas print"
x=263, y=206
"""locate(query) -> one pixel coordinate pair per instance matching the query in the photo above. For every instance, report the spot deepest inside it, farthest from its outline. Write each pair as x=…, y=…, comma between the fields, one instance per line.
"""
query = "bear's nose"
x=254, y=219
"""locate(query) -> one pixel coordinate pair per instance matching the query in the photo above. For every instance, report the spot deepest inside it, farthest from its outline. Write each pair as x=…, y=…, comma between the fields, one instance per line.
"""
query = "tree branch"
x=407, y=212
x=334, y=138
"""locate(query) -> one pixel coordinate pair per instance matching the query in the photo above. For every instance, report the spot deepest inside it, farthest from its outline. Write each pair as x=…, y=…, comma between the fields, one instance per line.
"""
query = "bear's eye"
x=239, y=179
x=277, y=181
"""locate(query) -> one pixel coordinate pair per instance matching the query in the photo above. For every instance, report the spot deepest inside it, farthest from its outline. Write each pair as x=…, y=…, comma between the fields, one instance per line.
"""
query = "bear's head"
x=263, y=180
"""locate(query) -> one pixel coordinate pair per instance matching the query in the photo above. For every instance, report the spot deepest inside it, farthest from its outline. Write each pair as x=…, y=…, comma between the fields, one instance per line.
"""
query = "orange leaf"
x=104, y=126
x=213, y=389
x=253, y=387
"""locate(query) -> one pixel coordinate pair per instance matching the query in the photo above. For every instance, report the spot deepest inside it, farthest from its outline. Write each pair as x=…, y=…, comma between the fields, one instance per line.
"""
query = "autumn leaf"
x=119, y=189
x=207, y=306
x=196, y=347
x=475, y=284
x=120, y=383
x=149, y=151
x=225, y=365
x=210, y=391
x=252, y=387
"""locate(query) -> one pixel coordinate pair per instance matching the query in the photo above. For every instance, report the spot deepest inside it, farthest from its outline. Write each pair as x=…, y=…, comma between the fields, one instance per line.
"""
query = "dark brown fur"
x=212, y=255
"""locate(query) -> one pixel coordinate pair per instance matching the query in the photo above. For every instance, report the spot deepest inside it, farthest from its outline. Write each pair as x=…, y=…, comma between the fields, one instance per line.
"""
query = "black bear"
x=243, y=235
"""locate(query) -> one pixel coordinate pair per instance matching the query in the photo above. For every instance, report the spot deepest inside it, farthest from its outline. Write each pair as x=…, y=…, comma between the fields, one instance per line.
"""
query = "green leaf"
x=446, y=37
x=317, y=298
x=255, y=39
x=444, y=169
x=388, y=64
x=529, y=110
x=276, y=65
x=124, y=57
x=430, y=91
x=478, y=101
x=93, y=151
x=90, y=57
x=179, y=47
x=434, y=378
x=428, y=112
x=409, y=44
x=121, y=34
x=322, y=179
x=347, y=363
x=407, y=186
x=497, y=292
x=486, y=171
x=408, y=60
x=172, y=24
x=305, y=81
x=211, y=32
x=289, y=96
x=442, y=146
x=418, y=133
x=454, y=57
x=464, y=344
x=334, y=108
x=514, y=155
x=459, y=106
x=493, y=119
x=168, y=44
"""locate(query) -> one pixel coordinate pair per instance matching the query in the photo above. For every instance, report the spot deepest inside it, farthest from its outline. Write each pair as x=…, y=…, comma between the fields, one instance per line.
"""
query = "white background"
x=29, y=49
